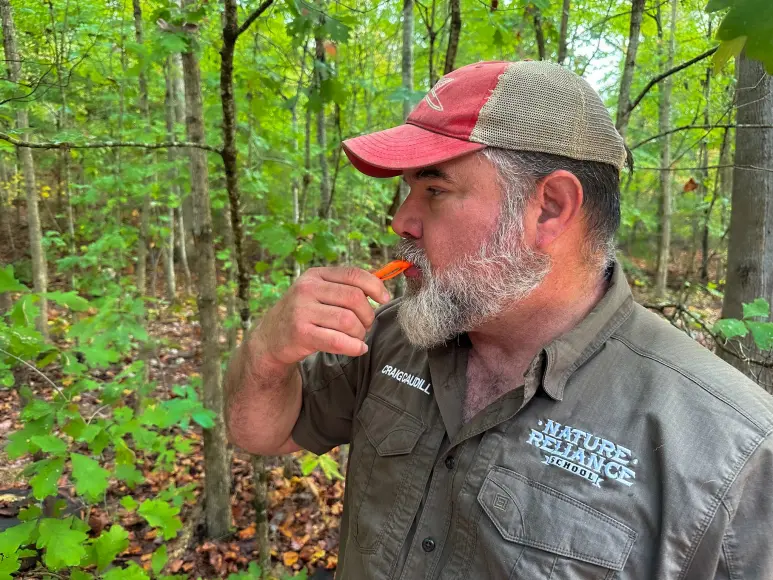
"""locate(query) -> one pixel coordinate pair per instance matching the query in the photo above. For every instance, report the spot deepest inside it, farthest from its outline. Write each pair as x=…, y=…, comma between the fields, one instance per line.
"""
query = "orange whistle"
x=392, y=269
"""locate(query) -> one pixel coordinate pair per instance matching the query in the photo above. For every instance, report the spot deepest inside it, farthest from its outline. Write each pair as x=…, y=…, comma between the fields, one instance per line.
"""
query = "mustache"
x=409, y=251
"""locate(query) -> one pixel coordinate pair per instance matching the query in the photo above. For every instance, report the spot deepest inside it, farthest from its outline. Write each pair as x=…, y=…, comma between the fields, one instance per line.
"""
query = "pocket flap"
x=533, y=514
x=392, y=431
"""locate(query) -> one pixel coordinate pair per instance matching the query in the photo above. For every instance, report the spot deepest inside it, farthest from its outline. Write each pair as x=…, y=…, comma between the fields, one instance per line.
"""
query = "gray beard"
x=471, y=292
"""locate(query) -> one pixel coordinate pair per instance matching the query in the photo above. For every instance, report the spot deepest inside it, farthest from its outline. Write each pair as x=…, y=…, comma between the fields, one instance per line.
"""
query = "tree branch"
x=720, y=343
x=704, y=127
x=728, y=166
x=667, y=74
x=106, y=145
x=254, y=16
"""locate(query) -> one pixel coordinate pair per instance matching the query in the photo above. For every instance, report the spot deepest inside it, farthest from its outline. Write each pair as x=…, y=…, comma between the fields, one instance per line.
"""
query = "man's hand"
x=326, y=310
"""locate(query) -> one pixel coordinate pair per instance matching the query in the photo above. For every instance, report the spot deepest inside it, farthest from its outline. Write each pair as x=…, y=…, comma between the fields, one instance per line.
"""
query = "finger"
x=335, y=318
x=349, y=297
x=334, y=342
x=359, y=278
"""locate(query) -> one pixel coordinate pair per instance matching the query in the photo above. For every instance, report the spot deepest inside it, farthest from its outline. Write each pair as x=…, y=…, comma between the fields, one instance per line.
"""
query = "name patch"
x=407, y=378
x=583, y=454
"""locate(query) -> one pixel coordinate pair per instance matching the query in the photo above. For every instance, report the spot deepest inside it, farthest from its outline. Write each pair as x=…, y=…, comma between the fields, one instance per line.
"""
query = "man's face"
x=465, y=236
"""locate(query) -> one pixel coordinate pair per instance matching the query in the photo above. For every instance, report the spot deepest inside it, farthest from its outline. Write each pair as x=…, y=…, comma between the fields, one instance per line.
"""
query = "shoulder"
x=699, y=378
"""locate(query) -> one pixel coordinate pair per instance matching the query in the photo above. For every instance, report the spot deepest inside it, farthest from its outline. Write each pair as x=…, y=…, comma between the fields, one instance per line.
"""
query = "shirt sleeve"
x=746, y=551
x=330, y=387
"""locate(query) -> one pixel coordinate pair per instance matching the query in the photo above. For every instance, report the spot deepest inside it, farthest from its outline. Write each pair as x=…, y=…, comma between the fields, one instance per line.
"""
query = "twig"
x=37, y=370
x=705, y=127
x=667, y=74
x=252, y=17
x=106, y=145
x=727, y=165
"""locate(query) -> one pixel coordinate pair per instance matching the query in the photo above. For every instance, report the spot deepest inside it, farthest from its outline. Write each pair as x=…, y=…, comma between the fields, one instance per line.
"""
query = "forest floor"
x=304, y=512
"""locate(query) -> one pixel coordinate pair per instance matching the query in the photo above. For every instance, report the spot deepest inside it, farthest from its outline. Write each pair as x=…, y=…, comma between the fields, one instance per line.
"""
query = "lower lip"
x=412, y=272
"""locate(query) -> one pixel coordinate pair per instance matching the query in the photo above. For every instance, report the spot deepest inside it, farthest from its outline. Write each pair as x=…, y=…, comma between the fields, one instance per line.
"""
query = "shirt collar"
x=572, y=349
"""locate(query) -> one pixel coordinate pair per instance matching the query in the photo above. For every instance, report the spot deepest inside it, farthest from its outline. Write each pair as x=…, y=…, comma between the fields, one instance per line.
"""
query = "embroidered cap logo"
x=432, y=99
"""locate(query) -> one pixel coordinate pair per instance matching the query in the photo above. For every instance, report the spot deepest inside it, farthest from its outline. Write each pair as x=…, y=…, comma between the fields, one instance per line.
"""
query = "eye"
x=434, y=192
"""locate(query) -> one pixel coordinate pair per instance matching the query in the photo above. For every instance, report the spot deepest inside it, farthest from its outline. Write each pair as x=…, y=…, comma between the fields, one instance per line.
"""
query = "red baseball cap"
x=526, y=106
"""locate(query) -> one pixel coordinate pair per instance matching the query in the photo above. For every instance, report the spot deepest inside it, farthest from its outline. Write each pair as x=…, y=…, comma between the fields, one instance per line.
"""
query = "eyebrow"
x=431, y=173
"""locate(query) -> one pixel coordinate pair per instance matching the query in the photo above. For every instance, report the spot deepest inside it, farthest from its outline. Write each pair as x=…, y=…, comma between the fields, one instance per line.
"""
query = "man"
x=515, y=415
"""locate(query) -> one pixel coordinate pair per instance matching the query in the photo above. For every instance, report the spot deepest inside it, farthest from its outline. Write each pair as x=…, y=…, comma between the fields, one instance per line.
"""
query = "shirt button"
x=450, y=462
x=428, y=544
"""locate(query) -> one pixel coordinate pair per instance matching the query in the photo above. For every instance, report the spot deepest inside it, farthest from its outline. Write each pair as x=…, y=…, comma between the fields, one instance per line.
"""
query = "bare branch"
x=254, y=16
x=728, y=165
x=667, y=74
x=106, y=145
x=704, y=127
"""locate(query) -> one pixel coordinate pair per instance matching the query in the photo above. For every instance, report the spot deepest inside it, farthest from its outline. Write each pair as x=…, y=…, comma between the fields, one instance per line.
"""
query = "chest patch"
x=407, y=378
x=582, y=453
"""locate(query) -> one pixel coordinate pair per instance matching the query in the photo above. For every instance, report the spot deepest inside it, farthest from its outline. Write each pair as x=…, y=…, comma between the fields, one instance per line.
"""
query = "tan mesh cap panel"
x=543, y=107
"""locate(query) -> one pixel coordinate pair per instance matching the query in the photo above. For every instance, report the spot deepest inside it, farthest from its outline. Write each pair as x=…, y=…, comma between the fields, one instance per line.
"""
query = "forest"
x=168, y=168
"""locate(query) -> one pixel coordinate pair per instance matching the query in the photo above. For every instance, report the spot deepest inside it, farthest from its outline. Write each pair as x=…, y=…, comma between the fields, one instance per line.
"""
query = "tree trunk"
x=217, y=485
x=705, y=244
x=39, y=269
x=664, y=112
x=182, y=247
x=171, y=98
x=705, y=179
x=563, y=31
x=324, y=178
x=750, y=252
x=624, y=97
x=143, y=243
x=230, y=161
x=453, y=35
x=539, y=33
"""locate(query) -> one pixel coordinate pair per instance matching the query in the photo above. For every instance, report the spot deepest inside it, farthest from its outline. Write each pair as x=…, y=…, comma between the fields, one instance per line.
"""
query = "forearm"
x=263, y=400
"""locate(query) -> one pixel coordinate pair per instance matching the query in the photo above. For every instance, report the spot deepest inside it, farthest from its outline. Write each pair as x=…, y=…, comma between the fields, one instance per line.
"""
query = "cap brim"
x=388, y=153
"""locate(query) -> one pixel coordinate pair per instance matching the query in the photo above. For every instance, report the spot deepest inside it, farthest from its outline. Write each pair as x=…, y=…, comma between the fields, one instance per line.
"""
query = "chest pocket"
x=534, y=532
x=382, y=460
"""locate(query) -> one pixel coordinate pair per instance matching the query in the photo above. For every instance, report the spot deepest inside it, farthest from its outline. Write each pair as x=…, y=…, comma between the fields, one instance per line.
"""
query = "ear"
x=559, y=196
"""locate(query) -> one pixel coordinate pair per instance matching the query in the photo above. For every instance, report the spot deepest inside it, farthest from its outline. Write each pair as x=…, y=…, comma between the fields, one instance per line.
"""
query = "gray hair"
x=519, y=172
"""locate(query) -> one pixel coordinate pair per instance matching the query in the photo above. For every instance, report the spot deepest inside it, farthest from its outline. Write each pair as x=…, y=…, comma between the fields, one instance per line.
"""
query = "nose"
x=407, y=220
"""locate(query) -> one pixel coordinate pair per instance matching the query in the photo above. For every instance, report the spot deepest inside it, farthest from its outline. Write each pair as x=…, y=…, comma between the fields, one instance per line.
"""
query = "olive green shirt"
x=628, y=452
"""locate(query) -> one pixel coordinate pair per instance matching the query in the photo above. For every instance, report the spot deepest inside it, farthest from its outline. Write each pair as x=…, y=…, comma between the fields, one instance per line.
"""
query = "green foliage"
x=749, y=24
x=327, y=464
x=89, y=451
x=761, y=331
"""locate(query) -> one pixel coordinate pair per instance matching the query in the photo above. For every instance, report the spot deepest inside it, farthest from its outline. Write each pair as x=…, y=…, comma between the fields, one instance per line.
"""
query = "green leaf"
x=8, y=565
x=752, y=19
x=760, y=307
x=329, y=467
x=131, y=476
x=160, y=514
x=309, y=463
x=129, y=503
x=64, y=545
x=204, y=417
x=44, y=483
x=131, y=572
x=24, y=311
x=50, y=444
x=90, y=477
x=69, y=299
x=159, y=559
x=30, y=513
x=8, y=282
x=16, y=537
x=99, y=356
x=730, y=328
x=36, y=409
x=76, y=574
x=109, y=544
x=762, y=332
x=727, y=49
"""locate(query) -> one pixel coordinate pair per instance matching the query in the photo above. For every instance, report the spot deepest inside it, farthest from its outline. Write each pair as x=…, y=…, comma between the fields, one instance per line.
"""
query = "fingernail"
x=364, y=348
x=386, y=297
